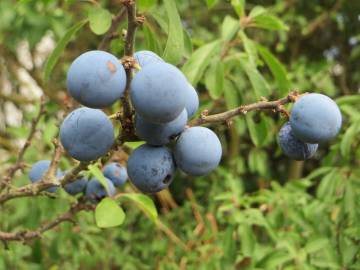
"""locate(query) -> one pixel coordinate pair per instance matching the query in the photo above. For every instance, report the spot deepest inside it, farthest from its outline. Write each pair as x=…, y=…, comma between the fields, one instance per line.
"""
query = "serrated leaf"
x=229, y=28
x=277, y=69
x=144, y=202
x=55, y=55
x=174, y=48
x=214, y=79
x=269, y=22
x=198, y=62
x=109, y=214
x=97, y=173
x=100, y=20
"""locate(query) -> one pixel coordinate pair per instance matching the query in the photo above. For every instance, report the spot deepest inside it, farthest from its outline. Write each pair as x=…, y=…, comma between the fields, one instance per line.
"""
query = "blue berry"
x=293, y=147
x=157, y=92
x=115, y=173
x=198, y=151
x=315, y=118
x=95, y=191
x=96, y=79
x=87, y=134
x=145, y=58
x=160, y=134
x=39, y=169
x=151, y=169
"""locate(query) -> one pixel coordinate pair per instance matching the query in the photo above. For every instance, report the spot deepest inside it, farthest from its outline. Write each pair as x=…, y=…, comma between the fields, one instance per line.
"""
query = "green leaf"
x=109, y=214
x=229, y=28
x=214, y=79
x=100, y=20
x=277, y=69
x=194, y=68
x=228, y=244
x=258, y=132
x=257, y=11
x=269, y=22
x=133, y=145
x=55, y=55
x=250, y=48
x=97, y=173
x=174, y=49
x=144, y=202
x=188, y=44
x=274, y=259
x=211, y=3
x=144, y=5
x=247, y=240
x=152, y=42
x=231, y=95
x=348, y=139
x=257, y=81
x=239, y=6
x=351, y=99
x=327, y=187
x=315, y=244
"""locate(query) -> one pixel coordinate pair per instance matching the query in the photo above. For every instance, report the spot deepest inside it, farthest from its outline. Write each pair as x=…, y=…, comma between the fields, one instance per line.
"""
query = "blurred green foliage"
x=259, y=210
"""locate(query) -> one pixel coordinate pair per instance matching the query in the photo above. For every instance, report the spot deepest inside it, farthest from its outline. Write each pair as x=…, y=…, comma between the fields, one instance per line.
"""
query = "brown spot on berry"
x=111, y=67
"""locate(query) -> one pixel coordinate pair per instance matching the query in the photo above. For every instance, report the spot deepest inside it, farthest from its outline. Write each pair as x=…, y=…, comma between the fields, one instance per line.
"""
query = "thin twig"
x=262, y=105
x=13, y=169
x=29, y=235
x=129, y=62
x=36, y=188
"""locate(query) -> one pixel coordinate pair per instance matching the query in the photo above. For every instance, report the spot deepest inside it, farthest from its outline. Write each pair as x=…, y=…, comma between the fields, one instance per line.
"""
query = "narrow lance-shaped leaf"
x=55, y=55
x=214, y=79
x=194, y=68
x=277, y=69
x=175, y=43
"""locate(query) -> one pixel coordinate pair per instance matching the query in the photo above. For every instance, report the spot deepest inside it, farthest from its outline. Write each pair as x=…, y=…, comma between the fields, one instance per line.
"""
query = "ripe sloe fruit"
x=95, y=191
x=76, y=187
x=315, y=118
x=87, y=134
x=160, y=134
x=96, y=79
x=39, y=169
x=198, y=151
x=293, y=147
x=147, y=57
x=115, y=173
x=151, y=169
x=191, y=100
x=157, y=92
